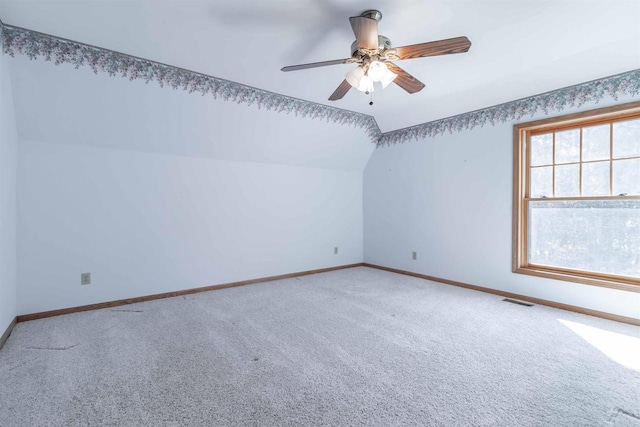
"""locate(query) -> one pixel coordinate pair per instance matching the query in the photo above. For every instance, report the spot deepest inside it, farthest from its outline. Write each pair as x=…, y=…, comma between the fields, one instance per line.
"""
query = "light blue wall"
x=450, y=199
x=8, y=149
x=154, y=190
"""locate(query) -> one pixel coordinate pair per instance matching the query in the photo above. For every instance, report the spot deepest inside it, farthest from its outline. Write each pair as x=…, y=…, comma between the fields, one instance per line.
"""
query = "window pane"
x=567, y=181
x=594, y=235
x=542, y=149
x=626, y=177
x=541, y=182
x=568, y=146
x=626, y=138
x=595, y=143
x=595, y=179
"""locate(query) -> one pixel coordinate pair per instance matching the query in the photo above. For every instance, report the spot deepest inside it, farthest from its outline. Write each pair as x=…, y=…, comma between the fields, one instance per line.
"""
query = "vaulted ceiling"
x=519, y=48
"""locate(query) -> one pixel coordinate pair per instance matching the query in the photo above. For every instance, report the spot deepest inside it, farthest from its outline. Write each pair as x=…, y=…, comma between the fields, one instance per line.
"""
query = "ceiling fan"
x=374, y=55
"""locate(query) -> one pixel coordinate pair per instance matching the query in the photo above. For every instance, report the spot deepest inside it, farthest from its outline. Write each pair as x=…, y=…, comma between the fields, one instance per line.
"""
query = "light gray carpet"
x=350, y=347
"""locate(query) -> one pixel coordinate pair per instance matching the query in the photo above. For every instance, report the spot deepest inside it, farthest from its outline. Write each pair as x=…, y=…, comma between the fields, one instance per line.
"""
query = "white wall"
x=153, y=190
x=8, y=141
x=450, y=199
x=145, y=223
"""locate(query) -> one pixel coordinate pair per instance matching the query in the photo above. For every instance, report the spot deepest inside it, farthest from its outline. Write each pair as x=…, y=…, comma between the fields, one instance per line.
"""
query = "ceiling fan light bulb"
x=366, y=84
x=377, y=71
x=388, y=78
x=355, y=76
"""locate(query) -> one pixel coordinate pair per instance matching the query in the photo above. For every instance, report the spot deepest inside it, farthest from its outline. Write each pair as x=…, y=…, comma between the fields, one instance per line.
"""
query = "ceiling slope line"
x=627, y=83
x=16, y=40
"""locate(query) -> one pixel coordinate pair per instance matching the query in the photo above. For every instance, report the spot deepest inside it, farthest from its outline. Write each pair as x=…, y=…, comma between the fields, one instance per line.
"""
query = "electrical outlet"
x=335, y=250
x=85, y=278
x=414, y=255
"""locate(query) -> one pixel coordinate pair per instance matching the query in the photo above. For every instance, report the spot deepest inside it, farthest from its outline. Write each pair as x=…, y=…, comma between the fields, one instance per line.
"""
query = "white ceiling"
x=519, y=47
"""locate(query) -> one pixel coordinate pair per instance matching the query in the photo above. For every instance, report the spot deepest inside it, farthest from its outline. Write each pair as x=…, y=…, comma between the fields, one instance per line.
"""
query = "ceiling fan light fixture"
x=359, y=79
x=354, y=76
x=377, y=71
x=388, y=78
x=366, y=84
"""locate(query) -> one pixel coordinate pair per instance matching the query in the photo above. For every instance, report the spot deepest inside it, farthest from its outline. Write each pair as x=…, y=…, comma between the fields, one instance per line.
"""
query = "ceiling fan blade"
x=440, y=47
x=366, y=31
x=315, y=65
x=340, y=91
x=405, y=80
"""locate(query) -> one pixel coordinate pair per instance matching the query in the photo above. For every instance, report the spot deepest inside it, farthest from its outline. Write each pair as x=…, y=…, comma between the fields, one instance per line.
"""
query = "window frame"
x=521, y=170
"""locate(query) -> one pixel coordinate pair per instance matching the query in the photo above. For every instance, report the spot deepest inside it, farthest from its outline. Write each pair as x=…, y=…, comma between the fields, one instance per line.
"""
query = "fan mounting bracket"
x=372, y=14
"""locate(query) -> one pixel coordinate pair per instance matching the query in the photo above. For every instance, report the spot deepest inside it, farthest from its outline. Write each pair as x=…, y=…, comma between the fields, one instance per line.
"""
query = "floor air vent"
x=513, y=301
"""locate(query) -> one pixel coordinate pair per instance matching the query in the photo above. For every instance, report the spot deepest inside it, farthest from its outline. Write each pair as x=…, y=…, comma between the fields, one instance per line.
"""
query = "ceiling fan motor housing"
x=383, y=43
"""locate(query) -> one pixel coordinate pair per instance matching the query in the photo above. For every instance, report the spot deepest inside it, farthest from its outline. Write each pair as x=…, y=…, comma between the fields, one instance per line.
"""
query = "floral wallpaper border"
x=16, y=40
x=573, y=96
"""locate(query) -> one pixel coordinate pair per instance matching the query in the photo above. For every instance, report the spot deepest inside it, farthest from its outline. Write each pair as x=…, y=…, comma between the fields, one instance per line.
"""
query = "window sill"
x=629, y=285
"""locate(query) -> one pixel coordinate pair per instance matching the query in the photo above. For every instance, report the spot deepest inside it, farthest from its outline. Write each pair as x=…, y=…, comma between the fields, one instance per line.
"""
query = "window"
x=577, y=197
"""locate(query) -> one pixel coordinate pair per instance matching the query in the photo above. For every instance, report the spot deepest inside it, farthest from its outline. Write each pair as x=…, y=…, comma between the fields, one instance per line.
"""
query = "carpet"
x=350, y=347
